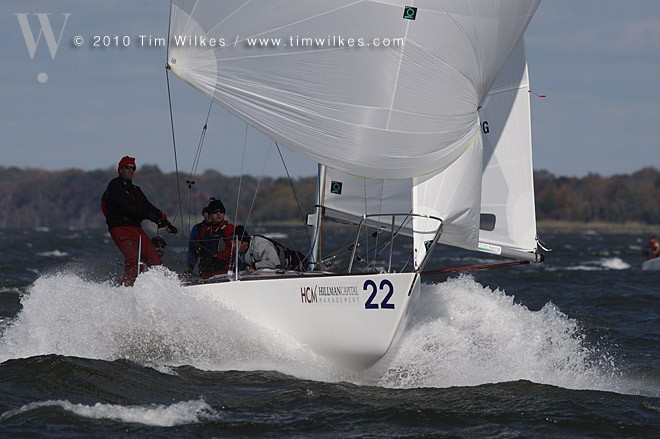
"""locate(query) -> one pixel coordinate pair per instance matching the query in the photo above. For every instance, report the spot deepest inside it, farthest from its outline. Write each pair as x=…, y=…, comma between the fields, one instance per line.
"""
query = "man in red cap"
x=125, y=206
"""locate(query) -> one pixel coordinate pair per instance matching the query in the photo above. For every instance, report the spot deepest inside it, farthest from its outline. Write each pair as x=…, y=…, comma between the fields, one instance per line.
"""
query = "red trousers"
x=127, y=239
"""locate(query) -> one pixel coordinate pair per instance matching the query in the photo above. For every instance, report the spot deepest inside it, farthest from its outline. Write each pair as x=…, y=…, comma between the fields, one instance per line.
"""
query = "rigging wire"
x=387, y=242
x=193, y=171
x=380, y=211
x=169, y=99
x=191, y=179
x=263, y=170
x=240, y=180
x=176, y=162
x=295, y=195
x=256, y=191
x=200, y=145
x=377, y=249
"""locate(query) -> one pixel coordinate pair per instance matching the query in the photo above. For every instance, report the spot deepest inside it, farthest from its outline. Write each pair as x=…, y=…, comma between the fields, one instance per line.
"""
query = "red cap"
x=126, y=160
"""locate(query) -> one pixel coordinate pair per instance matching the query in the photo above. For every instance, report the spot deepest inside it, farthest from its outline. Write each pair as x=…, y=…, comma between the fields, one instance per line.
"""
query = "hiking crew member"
x=654, y=248
x=213, y=242
x=125, y=206
x=159, y=245
x=256, y=251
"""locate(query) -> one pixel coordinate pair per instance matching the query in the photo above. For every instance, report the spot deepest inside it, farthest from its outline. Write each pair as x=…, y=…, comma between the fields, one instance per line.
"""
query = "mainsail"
x=403, y=111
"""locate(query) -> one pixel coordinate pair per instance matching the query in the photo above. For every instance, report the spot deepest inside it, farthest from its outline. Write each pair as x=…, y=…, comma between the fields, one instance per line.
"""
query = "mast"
x=315, y=219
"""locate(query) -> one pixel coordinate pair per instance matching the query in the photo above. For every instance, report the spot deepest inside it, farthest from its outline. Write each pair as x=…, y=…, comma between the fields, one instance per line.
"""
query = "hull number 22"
x=385, y=287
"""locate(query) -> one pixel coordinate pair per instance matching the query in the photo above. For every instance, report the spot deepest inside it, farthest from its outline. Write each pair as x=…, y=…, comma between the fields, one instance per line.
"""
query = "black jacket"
x=124, y=204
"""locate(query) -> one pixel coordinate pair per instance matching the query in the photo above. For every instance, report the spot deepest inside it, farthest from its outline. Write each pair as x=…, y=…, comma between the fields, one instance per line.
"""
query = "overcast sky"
x=597, y=61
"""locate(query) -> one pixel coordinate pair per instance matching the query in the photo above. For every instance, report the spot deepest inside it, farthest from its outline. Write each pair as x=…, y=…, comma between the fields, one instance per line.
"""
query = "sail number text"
x=385, y=287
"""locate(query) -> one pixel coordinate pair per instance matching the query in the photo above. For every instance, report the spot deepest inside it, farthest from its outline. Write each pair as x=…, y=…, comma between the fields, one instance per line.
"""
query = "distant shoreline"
x=559, y=226
x=549, y=226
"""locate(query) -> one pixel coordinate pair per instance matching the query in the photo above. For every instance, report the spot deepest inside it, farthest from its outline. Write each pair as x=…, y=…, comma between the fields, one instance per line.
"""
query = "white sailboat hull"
x=397, y=133
x=651, y=264
x=350, y=319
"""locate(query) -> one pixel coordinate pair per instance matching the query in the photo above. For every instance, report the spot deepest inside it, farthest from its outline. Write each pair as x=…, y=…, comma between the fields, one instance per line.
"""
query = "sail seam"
x=398, y=72
x=294, y=22
x=228, y=16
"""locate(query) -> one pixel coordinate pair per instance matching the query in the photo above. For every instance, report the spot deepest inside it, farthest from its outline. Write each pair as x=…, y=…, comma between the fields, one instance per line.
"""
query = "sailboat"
x=651, y=264
x=418, y=114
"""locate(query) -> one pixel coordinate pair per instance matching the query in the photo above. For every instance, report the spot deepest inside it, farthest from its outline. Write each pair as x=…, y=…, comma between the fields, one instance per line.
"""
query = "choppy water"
x=569, y=348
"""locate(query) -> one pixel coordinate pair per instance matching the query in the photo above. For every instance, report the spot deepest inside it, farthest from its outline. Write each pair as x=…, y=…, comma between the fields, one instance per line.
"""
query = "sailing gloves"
x=164, y=223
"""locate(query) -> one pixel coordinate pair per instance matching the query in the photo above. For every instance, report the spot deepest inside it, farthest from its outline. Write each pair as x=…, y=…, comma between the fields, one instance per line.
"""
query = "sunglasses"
x=217, y=211
x=129, y=167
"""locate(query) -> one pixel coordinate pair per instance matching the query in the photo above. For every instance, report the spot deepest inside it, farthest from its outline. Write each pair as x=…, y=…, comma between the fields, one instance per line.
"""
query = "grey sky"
x=598, y=62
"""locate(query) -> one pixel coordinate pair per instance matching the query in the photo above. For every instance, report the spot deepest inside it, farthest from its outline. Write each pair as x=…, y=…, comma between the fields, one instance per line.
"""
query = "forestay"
x=401, y=111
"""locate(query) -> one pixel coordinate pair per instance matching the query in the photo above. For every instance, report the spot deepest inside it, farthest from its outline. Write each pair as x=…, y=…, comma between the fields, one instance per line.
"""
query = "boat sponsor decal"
x=379, y=295
x=489, y=248
x=330, y=294
x=335, y=187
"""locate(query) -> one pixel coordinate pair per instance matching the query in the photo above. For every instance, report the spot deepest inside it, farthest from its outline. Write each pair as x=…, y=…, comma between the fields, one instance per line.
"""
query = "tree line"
x=71, y=198
x=616, y=199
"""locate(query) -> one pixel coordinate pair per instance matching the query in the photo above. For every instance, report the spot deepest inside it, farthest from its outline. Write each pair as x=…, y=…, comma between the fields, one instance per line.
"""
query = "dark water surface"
x=569, y=348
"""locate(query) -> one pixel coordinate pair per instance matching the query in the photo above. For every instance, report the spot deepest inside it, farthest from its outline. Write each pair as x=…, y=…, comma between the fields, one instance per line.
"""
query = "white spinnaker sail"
x=507, y=203
x=498, y=187
x=381, y=112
